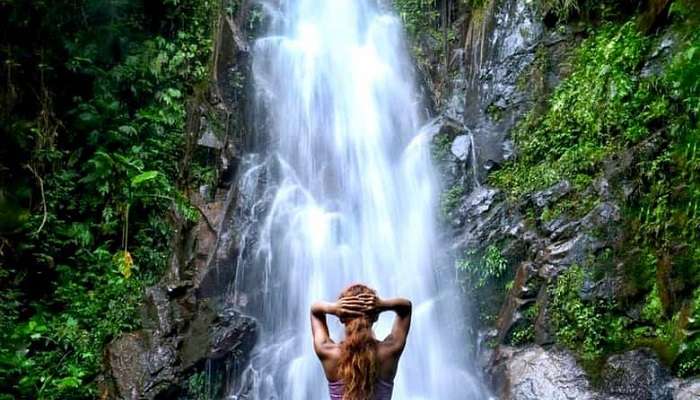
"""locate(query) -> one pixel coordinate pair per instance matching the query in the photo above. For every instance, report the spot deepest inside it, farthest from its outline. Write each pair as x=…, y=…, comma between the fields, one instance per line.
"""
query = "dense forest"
x=95, y=167
x=99, y=163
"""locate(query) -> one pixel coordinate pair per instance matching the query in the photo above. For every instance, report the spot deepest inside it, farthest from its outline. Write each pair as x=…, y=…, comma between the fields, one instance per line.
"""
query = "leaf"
x=124, y=263
x=133, y=165
x=128, y=130
x=144, y=177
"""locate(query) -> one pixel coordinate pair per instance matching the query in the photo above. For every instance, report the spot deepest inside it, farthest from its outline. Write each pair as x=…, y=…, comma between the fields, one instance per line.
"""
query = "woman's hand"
x=372, y=303
x=349, y=307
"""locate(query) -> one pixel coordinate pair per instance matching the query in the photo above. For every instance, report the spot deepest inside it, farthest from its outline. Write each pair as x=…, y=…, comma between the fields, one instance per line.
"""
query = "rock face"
x=151, y=364
x=533, y=373
x=689, y=390
x=188, y=326
x=507, y=65
x=498, y=75
x=636, y=375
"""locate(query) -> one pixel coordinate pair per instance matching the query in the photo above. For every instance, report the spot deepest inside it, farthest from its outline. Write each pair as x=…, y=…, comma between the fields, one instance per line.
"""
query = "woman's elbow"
x=317, y=308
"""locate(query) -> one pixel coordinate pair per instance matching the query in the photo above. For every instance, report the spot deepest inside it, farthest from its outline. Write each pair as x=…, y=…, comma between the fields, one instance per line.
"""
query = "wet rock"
x=573, y=251
x=232, y=333
x=455, y=103
x=484, y=218
x=140, y=369
x=558, y=227
x=636, y=375
x=659, y=57
x=533, y=373
x=461, y=147
x=508, y=149
x=491, y=165
x=544, y=334
x=149, y=364
x=550, y=195
x=685, y=390
x=604, y=289
x=212, y=336
x=526, y=286
x=209, y=139
x=490, y=88
x=485, y=347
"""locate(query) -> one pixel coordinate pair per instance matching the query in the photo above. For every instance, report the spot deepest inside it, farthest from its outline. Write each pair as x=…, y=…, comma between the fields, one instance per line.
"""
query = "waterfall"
x=342, y=190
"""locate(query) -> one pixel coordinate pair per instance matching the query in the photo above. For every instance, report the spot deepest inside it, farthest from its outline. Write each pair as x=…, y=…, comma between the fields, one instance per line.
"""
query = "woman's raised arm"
x=396, y=340
x=346, y=307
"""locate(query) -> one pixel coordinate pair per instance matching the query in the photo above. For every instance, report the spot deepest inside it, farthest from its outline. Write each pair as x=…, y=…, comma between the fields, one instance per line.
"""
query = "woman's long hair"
x=358, y=367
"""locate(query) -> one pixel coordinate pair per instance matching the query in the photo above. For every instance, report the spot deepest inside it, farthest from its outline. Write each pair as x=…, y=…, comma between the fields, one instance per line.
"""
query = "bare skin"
x=388, y=350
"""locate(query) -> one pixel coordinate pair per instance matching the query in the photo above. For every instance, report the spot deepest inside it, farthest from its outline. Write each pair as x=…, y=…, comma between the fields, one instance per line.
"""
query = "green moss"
x=601, y=107
x=589, y=328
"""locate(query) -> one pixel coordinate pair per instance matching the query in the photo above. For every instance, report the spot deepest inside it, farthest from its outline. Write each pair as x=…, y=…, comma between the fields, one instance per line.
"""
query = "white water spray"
x=349, y=196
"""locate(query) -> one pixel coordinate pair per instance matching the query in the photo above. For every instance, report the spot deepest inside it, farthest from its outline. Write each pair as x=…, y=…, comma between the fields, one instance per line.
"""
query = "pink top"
x=382, y=390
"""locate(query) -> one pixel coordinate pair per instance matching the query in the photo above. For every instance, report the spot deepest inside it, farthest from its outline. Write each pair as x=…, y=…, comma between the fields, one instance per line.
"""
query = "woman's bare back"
x=389, y=350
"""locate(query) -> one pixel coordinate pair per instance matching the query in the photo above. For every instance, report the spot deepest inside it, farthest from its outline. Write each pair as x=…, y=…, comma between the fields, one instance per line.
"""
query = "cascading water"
x=343, y=193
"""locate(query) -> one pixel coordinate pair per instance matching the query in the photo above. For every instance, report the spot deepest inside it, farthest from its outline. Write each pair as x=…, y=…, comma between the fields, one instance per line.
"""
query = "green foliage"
x=562, y=8
x=587, y=327
x=587, y=10
x=450, y=199
x=604, y=108
x=524, y=332
x=427, y=27
x=687, y=361
x=577, y=324
x=197, y=386
x=599, y=108
x=91, y=173
x=491, y=266
x=419, y=16
x=440, y=146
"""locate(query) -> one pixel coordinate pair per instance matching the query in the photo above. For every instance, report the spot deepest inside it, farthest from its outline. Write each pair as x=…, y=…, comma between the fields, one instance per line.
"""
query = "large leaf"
x=144, y=177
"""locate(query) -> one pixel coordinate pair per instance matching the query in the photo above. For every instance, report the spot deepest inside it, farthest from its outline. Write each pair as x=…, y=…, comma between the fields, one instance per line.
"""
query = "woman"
x=360, y=367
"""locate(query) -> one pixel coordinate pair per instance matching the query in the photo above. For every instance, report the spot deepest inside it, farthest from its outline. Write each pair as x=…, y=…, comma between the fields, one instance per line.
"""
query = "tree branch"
x=43, y=197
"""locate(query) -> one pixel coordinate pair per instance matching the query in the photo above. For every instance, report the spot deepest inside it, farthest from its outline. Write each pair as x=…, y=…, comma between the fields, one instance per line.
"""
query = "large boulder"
x=636, y=375
x=153, y=362
x=141, y=369
x=533, y=373
x=686, y=390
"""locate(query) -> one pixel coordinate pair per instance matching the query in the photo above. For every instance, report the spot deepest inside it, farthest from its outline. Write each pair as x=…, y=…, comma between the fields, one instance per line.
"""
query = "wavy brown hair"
x=358, y=367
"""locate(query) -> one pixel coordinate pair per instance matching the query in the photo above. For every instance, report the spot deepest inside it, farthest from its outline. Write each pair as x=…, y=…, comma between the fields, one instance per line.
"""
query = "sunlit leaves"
x=124, y=263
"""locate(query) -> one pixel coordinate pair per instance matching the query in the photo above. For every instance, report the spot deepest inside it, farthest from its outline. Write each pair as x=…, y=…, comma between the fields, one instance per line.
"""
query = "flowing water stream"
x=342, y=191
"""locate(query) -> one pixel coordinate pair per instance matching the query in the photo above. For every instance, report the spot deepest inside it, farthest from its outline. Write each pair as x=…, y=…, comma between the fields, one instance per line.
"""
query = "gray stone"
x=209, y=139
x=686, y=390
x=461, y=147
x=534, y=373
x=140, y=369
x=572, y=251
x=659, y=57
x=636, y=375
x=550, y=195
